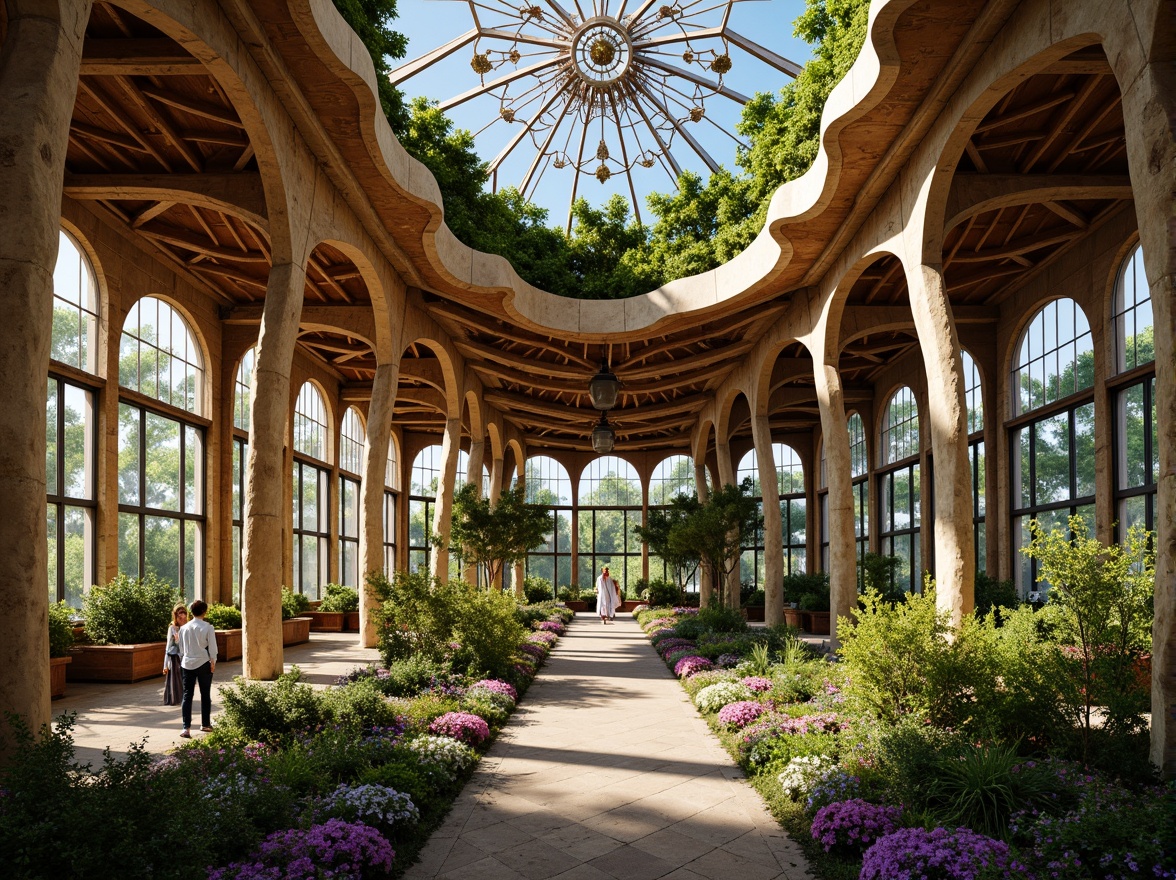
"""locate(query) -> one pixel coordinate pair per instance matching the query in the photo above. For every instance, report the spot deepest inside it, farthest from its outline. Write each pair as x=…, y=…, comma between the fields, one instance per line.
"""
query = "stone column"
x=1149, y=113
x=727, y=478
x=443, y=509
x=839, y=478
x=706, y=587
x=38, y=80
x=773, y=533
x=371, y=508
x=267, y=474
x=955, y=556
x=474, y=475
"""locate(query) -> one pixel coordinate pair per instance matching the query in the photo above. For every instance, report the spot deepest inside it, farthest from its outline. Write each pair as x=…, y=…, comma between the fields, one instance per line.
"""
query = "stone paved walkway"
x=607, y=772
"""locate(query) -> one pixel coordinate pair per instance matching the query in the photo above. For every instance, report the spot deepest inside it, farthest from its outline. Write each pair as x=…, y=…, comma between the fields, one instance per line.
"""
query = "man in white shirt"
x=197, y=663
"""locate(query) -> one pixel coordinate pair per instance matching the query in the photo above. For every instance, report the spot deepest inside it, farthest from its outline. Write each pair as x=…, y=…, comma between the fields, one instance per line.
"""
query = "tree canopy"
x=609, y=255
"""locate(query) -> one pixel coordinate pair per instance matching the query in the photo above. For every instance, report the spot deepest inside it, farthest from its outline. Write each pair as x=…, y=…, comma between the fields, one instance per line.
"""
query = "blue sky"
x=431, y=23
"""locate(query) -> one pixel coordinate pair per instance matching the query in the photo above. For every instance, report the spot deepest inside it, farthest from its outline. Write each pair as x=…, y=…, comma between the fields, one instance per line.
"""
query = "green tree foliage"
x=719, y=528
x=668, y=536
x=609, y=255
x=129, y=610
x=494, y=536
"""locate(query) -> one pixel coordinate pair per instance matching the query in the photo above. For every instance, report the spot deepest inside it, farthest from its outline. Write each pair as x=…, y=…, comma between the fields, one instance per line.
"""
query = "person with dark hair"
x=198, y=662
x=173, y=686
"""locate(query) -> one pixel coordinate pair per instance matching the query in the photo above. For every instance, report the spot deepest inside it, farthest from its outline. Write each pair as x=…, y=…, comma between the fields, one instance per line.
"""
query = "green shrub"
x=720, y=618
x=796, y=586
x=488, y=632
x=419, y=711
x=537, y=589
x=880, y=574
x=410, y=676
x=905, y=659
x=61, y=629
x=293, y=604
x=492, y=707
x=992, y=594
x=339, y=598
x=755, y=599
x=129, y=611
x=418, y=615
x=223, y=616
x=569, y=593
x=270, y=711
x=978, y=788
x=661, y=592
x=359, y=705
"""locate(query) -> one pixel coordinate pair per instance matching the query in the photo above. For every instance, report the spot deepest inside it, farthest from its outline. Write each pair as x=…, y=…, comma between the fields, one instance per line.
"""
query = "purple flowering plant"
x=757, y=683
x=461, y=726
x=691, y=664
x=939, y=854
x=854, y=824
x=337, y=849
x=498, y=686
x=741, y=714
x=551, y=626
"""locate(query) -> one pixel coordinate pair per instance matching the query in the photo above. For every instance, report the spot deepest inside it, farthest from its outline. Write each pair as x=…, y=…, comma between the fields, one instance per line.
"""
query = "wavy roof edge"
x=871, y=76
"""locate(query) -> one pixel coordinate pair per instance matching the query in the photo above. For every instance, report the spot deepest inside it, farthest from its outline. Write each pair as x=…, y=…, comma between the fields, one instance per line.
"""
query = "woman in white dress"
x=607, y=595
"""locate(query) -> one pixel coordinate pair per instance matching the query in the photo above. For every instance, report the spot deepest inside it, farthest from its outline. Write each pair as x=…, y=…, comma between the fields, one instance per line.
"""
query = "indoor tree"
x=493, y=536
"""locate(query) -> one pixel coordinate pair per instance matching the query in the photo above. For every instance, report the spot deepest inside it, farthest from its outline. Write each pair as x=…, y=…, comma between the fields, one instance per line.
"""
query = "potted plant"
x=126, y=624
x=227, y=621
x=295, y=623
x=753, y=607
x=61, y=639
x=571, y=596
x=814, y=613
x=332, y=611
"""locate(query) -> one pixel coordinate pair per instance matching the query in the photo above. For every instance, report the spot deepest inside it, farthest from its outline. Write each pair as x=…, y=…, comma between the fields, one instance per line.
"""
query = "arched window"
x=1137, y=448
x=351, y=440
x=312, y=478
x=974, y=401
x=70, y=446
x=391, y=492
x=898, y=487
x=549, y=485
x=608, y=506
x=673, y=476
x=161, y=449
x=456, y=564
x=241, y=417
x=426, y=471
x=791, y=495
x=1052, y=441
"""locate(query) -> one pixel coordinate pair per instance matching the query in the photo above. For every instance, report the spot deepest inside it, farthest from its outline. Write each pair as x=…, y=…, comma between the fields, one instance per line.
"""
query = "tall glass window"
x=898, y=487
x=160, y=452
x=70, y=448
x=609, y=506
x=791, y=495
x=422, y=495
x=391, y=492
x=351, y=440
x=1052, y=442
x=672, y=477
x=974, y=401
x=549, y=486
x=312, y=476
x=1137, y=450
x=241, y=416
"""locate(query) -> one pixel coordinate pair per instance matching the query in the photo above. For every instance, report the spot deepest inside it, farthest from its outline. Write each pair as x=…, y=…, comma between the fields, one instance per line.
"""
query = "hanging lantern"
x=603, y=388
x=604, y=438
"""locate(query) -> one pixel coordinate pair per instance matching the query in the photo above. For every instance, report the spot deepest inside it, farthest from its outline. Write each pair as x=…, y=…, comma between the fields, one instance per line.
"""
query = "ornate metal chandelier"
x=602, y=88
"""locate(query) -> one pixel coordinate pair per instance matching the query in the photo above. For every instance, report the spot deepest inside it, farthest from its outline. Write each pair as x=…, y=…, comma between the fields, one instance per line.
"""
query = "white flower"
x=803, y=773
x=714, y=697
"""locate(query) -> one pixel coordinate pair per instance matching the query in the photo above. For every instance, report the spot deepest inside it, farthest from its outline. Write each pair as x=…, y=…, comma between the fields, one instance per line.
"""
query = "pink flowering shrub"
x=551, y=626
x=461, y=726
x=854, y=824
x=757, y=683
x=535, y=651
x=741, y=714
x=333, y=849
x=542, y=638
x=689, y=665
x=498, y=686
x=940, y=854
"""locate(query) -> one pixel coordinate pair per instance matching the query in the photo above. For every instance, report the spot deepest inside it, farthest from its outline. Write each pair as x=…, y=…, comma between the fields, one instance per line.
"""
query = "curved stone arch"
x=497, y=443
x=838, y=300
x=515, y=446
x=1004, y=359
x=472, y=404
x=333, y=418
x=379, y=336
x=724, y=410
x=1118, y=262
x=760, y=387
x=452, y=392
x=192, y=323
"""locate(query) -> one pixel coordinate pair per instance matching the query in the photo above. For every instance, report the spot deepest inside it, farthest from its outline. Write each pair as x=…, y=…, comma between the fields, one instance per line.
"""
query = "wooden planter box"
x=117, y=662
x=57, y=676
x=792, y=617
x=351, y=621
x=295, y=631
x=816, y=622
x=629, y=604
x=577, y=605
x=326, y=621
x=755, y=613
x=228, y=644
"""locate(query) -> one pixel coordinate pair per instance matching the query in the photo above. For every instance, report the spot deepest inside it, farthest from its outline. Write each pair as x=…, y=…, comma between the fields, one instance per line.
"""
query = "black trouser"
x=203, y=675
